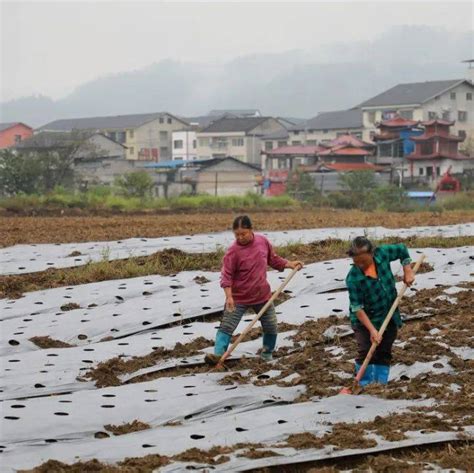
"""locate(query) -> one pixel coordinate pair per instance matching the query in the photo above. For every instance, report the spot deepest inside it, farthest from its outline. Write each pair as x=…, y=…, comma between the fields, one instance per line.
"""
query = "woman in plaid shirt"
x=372, y=292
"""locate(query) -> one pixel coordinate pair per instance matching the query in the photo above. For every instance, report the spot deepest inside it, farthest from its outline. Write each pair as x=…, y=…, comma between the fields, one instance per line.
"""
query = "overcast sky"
x=51, y=47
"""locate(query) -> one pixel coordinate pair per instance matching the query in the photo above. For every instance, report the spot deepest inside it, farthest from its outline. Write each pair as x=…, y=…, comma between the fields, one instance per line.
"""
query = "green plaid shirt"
x=376, y=296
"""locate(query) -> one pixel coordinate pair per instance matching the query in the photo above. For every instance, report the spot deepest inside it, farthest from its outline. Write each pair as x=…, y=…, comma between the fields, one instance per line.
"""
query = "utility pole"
x=215, y=185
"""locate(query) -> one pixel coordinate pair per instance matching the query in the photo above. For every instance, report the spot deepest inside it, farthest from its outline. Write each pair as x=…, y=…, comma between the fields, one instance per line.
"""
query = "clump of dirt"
x=342, y=436
x=70, y=306
x=201, y=280
x=134, y=426
x=282, y=297
x=425, y=267
x=107, y=372
x=74, y=253
x=48, y=342
x=255, y=453
x=214, y=456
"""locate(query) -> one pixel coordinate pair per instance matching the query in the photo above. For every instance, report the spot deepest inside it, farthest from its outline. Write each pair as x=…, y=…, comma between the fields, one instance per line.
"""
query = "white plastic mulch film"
x=51, y=411
x=21, y=259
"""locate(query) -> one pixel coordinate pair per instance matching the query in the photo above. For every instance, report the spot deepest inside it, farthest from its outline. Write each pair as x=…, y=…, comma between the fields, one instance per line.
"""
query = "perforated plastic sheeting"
x=123, y=307
x=271, y=425
x=82, y=414
x=291, y=456
x=31, y=258
x=56, y=370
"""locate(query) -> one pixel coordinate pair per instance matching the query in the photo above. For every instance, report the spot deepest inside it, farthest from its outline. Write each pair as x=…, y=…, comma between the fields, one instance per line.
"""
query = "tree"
x=359, y=185
x=301, y=186
x=41, y=163
x=135, y=184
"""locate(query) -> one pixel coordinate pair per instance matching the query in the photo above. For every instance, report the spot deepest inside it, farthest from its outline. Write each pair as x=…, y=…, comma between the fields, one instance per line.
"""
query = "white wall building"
x=184, y=145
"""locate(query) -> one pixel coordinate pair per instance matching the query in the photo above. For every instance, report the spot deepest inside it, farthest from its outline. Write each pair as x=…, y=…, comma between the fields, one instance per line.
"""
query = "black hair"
x=359, y=243
x=242, y=221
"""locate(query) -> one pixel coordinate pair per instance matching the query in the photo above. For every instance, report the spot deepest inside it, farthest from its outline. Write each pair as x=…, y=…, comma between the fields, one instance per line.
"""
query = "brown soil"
x=134, y=426
x=47, y=342
x=16, y=230
x=107, y=372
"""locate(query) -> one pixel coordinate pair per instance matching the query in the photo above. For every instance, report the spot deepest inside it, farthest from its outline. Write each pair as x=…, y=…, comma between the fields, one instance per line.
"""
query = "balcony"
x=221, y=145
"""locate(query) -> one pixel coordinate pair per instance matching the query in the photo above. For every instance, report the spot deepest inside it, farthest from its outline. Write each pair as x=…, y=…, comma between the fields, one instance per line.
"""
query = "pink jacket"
x=244, y=269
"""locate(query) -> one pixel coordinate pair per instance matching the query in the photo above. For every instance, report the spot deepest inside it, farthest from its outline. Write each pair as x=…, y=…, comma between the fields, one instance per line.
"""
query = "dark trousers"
x=383, y=352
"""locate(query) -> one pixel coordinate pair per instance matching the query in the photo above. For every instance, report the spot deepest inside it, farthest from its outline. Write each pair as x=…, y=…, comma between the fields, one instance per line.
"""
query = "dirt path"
x=16, y=230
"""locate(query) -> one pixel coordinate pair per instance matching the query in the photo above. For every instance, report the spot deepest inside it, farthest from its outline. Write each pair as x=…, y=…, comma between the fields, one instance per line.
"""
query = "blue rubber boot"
x=222, y=342
x=381, y=373
x=269, y=342
x=369, y=375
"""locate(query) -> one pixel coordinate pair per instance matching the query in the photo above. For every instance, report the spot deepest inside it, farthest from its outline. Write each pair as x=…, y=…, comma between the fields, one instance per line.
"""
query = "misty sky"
x=51, y=47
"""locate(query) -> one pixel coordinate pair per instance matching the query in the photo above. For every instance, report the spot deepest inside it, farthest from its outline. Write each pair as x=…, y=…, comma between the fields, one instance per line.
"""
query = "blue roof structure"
x=170, y=164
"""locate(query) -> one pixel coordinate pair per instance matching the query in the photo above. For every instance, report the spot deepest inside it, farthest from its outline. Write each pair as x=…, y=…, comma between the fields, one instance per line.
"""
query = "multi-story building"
x=185, y=144
x=448, y=100
x=240, y=138
x=326, y=127
x=147, y=136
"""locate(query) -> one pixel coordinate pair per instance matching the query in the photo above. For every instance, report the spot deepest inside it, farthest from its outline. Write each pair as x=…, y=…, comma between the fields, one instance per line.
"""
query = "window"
x=432, y=116
x=296, y=143
x=112, y=135
x=421, y=171
x=178, y=144
x=429, y=171
x=17, y=139
x=325, y=131
x=237, y=142
x=268, y=145
x=131, y=150
x=296, y=132
x=164, y=151
x=427, y=148
x=121, y=137
x=203, y=141
x=162, y=120
x=462, y=134
x=194, y=144
x=462, y=116
x=170, y=121
x=446, y=115
x=163, y=135
x=438, y=171
x=407, y=114
x=469, y=96
x=371, y=117
x=282, y=143
x=312, y=142
x=452, y=95
x=130, y=134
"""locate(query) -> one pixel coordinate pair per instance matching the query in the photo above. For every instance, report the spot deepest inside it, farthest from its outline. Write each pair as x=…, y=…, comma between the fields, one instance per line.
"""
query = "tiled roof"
x=337, y=120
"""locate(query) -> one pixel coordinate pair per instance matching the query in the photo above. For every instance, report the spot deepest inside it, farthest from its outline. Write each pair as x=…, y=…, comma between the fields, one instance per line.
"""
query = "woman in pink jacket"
x=244, y=280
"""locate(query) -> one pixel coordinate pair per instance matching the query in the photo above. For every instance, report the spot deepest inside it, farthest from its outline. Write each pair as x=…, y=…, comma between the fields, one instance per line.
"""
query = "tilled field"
x=110, y=377
x=17, y=230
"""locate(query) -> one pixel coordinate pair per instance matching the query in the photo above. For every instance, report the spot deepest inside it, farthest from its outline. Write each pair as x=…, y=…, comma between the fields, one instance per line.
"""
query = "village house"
x=95, y=158
x=215, y=176
x=147, y=136
x=240, y=138
x=327, y=126
x=13, y=133
x=448, y=100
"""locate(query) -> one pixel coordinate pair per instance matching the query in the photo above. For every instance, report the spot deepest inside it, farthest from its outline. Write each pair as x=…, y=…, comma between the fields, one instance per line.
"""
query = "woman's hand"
x=408, y=275
x=229, y=304
x=294, y=265
x=375, y=337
